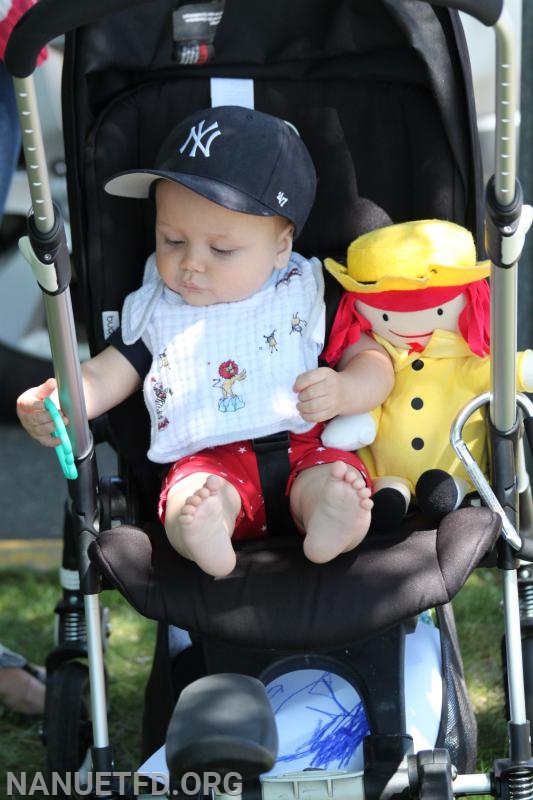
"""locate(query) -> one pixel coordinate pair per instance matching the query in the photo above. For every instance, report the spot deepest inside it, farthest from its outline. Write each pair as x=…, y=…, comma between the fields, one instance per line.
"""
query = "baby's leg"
x=200, y=519
x=332, y=504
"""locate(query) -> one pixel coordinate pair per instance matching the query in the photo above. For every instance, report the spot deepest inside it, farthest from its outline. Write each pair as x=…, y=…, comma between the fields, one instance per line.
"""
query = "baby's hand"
x=34, y=417
x=318, y=393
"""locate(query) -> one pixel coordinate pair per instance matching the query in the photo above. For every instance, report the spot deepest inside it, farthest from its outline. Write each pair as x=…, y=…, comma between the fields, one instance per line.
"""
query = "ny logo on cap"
x=195, y=139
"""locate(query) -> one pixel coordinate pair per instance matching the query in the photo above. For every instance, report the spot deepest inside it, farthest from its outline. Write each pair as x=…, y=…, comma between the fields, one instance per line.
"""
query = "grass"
x=479, y=619
x=27, y=600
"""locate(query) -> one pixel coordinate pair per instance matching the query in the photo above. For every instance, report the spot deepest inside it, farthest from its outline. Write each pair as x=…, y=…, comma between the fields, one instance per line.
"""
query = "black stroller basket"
x=381, y=94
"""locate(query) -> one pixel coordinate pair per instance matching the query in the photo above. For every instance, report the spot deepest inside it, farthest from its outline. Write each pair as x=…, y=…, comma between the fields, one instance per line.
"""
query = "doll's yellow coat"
x=450, y=377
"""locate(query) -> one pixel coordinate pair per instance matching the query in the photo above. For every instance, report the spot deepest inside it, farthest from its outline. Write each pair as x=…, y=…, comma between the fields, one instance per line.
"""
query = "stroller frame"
x=507, y=222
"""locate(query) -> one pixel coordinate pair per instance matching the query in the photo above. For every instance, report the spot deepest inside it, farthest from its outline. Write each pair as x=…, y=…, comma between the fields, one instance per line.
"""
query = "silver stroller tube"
x=55, y=286
x=507, y=222
x=46, y=251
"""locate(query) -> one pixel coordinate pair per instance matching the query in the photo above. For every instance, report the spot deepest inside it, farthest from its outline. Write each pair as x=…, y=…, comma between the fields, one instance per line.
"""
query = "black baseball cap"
x=240, y=158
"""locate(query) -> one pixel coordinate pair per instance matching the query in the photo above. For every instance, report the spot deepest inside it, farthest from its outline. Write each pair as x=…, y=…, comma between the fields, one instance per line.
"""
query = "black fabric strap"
x=274, y=469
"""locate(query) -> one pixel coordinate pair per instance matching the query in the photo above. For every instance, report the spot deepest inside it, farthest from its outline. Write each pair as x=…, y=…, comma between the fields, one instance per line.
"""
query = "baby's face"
x=209, y=254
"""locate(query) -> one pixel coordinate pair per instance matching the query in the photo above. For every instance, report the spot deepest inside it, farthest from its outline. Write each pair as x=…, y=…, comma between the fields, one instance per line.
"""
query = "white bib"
x=224, y=372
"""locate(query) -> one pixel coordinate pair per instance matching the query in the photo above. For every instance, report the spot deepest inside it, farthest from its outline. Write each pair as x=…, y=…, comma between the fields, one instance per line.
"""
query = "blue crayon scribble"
x=336, y=735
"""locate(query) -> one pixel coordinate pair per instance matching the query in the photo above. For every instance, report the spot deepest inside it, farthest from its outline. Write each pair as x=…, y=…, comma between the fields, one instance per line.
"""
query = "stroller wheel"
x=67, y=722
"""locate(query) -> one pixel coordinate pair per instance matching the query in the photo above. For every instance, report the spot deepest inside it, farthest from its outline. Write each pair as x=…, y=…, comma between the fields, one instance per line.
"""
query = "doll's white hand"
x=527, y=367
x=350, y=432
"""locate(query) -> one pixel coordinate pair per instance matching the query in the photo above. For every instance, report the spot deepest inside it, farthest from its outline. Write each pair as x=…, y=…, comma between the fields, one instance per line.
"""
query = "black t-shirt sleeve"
x=137, y=353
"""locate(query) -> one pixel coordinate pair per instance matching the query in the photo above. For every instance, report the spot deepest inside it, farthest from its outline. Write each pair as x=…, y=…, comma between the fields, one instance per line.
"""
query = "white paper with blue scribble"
x=321, y=721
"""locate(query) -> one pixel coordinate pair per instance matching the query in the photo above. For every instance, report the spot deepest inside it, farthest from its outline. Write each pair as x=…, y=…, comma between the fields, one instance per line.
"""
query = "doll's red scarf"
x=474, y=320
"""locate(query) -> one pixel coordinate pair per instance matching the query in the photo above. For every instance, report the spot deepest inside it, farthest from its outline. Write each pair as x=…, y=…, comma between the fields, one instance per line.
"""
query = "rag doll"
x=418, y=290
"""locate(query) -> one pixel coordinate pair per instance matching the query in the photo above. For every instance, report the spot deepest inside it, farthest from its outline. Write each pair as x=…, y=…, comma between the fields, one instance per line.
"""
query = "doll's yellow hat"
x=410, y=255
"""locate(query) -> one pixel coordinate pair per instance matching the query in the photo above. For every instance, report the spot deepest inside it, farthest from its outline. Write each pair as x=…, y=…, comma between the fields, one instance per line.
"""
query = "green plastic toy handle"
x=63, y=450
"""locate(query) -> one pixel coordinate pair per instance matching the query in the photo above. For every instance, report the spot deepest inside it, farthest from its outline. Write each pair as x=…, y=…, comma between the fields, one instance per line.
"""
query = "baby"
x=224, y=336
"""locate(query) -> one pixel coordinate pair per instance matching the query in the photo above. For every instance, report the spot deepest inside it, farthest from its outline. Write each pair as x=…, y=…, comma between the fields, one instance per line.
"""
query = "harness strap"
x=272, y=454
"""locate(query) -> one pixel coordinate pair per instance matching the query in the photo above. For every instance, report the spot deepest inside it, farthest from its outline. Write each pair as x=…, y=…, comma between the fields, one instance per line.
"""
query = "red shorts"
x=237, y=463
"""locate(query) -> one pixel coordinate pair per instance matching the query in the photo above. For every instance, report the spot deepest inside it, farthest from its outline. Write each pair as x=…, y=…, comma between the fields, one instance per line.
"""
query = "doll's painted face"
x=405, y=328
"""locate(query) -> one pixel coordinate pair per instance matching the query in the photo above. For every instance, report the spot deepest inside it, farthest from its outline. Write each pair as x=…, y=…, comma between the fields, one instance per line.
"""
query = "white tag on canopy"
x=232, y=92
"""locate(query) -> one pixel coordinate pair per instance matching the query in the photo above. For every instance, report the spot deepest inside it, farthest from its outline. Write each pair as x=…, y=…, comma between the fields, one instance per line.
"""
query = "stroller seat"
x=390, y=577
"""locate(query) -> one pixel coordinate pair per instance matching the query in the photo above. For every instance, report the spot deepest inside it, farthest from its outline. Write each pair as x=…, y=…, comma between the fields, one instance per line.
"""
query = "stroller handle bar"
x=51, y=18
x=48, y=19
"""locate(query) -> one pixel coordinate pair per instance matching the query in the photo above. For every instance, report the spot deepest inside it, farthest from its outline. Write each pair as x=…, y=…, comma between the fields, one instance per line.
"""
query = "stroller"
x=381, y=94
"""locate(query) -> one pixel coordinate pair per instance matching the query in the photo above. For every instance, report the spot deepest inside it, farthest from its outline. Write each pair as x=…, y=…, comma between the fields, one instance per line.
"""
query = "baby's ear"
x=284, y=246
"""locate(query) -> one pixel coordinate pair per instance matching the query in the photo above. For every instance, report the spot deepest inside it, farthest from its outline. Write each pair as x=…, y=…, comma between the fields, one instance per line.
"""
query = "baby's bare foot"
x=341, y=517
x=206, y=528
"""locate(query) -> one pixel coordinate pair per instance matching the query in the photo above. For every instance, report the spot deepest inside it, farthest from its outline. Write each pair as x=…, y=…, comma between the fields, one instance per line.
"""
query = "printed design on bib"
x=286, y=279
x=161, y=394
x=164, y=363
x=271, y=341
x=229, y=374
x=297, y=324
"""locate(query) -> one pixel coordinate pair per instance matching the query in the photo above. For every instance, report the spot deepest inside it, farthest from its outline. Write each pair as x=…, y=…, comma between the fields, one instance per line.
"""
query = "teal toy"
x=63, y=450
